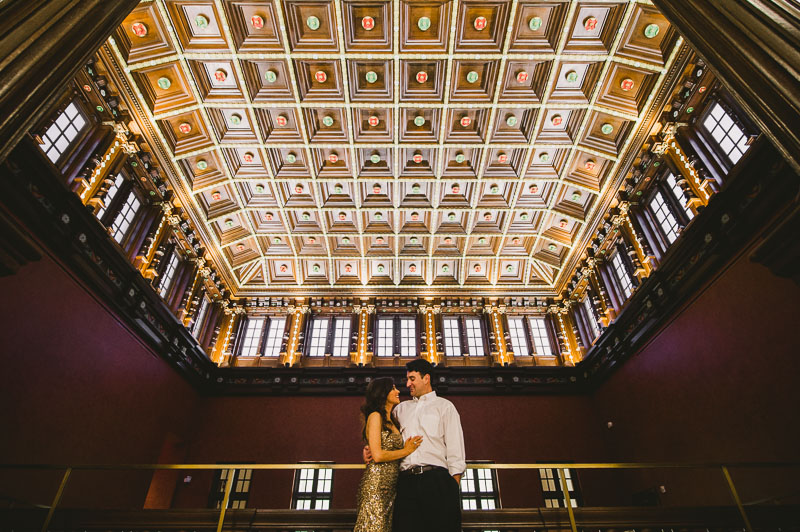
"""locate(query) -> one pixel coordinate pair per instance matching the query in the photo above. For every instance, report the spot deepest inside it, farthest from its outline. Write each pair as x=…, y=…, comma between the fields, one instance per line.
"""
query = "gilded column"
x=564, y=348
x=501, y=356
x=604, y=303
x=430, y=353
x=220, y=354
x=362, y=356
x=293, y=355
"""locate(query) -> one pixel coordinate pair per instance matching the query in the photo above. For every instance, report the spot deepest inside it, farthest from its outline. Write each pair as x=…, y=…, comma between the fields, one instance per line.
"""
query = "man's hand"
x=367, y=454
x=458, y=479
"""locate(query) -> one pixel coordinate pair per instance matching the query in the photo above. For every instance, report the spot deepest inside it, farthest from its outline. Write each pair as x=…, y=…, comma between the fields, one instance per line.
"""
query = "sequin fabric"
x=377, y=489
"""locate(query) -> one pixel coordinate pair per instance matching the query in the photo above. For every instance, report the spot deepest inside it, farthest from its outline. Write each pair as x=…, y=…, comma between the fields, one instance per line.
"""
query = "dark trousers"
x=430, y=502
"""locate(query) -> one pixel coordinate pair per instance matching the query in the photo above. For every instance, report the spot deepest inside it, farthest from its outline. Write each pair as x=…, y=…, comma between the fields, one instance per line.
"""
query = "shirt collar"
x=427, y=397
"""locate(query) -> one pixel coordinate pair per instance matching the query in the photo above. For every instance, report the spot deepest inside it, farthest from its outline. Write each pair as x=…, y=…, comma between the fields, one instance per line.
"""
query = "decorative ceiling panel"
x=376, y=146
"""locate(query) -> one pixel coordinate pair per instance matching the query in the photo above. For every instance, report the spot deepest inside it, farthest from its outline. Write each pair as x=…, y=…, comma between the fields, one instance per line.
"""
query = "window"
x=397, y=334
x=341, y=337
x=319, y=336
x=622, y=275
x=519, y=343
x=330, y=335
x=540, y=340
x=551, y=488
x=728, y=136
x=479, y=489
x=590, y=316
x=677, y=191
x=122, y=221
x=474, y=337
x=313, y=489
x=272, y=347
x=169, y=273
x=240, y=491
x=666, y=220
x=252, y=337
x=452, y=338
x=201, y=315
x=112, y=191
x=64, y=130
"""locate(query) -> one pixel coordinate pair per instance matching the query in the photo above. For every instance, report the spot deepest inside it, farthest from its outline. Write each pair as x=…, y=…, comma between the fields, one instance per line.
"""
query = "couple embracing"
x=410, y=486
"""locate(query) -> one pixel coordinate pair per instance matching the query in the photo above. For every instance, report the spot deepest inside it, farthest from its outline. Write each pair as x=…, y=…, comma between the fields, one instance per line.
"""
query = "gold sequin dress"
x=377, y=489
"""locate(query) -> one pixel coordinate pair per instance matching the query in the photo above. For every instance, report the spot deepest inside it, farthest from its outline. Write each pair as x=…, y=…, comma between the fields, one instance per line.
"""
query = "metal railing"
x=562, y=469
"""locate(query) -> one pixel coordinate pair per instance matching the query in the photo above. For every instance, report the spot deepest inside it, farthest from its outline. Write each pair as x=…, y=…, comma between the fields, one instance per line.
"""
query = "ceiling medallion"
x=607, y=129
x=321, y=76
x=372, y=77
x=422, y=77
x=477, y=268
x=535, y=23
x=556, y=120
x=448, y=240
x=346, y=240
x=456, y=188
x=277, y=240
x=240, y=247
x=315, y=268
x=235, y=119
x=202, y=164
x=563, y=223
x=651, y=30
x=375, y=159
x=516, y=241
x=220, y=75
x=271, y=76
x=259, y=189
x=201, y=21
x=424, y=23
x=576, y=196
x=216, y=195
x=338, y=189
x=511, y=121
x=590, y=165
x=533, y=189
x=522, y=76
x=524, y=216
x=414, y=216
x=480, y=23
x=380, y=268
x=283, y=268
x=342, y=216
x=416, y=189
x=419, y=120
x=412, y=268
x=626, y=84
x=333, y=158
x=494, y=188
x=571, y=76
x=378, y=216
x=367, y=23
x=348, y=268
x=701, y=90
x=544, y=157
x=472, y=76
x=257, y=22
x=282, y=120
x=248, y=157
x=413, y=240
x=502, y=159
x=312, y=240
x=510, y=268
x=417, y=158
x=379, y=240
x=487, y=216
x=460, y=158
x=164, y=83
x=552, y=247
x=87, y=88
x=451, y=217
x=306, y=216
x=465, y=121
x=445, y=268
x=298, y=189
x=291, y=158
x=327, y=121
x=590, y=23
x=312, y=22
x=268, y=216
x=139, y=29
x=373, y=121
x=185, y=128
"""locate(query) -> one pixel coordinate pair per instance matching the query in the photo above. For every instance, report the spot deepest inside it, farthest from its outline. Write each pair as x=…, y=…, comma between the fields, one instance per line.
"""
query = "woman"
x=381, y=433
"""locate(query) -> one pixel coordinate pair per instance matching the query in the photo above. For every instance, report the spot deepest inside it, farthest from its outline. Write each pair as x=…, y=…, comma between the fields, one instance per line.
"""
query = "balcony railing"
x=773, y=503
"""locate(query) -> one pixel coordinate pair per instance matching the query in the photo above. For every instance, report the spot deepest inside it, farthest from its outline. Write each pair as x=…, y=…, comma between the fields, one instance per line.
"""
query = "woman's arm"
x=374, y=439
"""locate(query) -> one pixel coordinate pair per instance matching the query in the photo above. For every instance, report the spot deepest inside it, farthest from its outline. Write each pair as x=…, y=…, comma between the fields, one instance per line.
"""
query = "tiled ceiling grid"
x=504, y=202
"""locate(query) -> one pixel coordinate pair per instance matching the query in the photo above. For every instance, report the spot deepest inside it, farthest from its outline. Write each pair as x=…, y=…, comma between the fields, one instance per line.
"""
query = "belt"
x=419, y=469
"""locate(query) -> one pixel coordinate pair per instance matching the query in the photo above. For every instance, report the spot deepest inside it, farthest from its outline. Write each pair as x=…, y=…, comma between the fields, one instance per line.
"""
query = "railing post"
x=567, y=500
x=738, y=501
x=57, y=498
x=226, y=498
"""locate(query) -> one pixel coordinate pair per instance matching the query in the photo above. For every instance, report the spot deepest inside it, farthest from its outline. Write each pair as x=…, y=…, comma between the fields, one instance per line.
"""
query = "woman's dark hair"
x=377, y=392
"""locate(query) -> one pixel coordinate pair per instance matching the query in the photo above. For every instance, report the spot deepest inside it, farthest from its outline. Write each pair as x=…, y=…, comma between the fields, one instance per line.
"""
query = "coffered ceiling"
x=392, y=146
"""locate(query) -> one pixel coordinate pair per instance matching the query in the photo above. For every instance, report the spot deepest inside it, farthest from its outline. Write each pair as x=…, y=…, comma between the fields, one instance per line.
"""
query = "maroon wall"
x=79, y=387
x=717, y=384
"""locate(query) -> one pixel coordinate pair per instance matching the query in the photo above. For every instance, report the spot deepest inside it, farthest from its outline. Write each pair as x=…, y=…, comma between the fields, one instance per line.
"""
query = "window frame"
x=462, y=335
x=615, y=276
x=556, y=500
x=711, y=141
x=330, y=339
x=312, y=496
x=239, y=497
x=72, y=144
x=478, y=495
x=265, y=335
x=396, y=334
x=125, y=236
x=168, y=273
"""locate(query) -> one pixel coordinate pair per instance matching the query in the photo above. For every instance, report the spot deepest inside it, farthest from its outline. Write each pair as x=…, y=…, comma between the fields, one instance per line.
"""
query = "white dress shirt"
x=437, y=421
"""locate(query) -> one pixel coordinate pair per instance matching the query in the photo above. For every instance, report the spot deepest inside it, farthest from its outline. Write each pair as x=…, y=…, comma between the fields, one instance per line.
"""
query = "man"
x=428, y=498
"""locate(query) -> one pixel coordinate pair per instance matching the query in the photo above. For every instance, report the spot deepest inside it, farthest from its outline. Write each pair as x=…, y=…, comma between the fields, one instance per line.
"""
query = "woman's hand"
x=412, y=444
